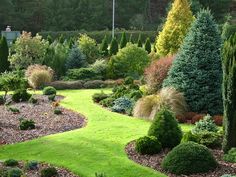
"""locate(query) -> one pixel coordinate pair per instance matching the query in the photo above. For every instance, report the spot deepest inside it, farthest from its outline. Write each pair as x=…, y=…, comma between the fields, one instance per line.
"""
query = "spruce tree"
x=177, y=24
x=140, y=43
x=104, y=46
x=4, y=52
x=148, y=46
x=114, y=48
x=76, y=59
x=229, y=93
x=197, y=69
x=123, y=40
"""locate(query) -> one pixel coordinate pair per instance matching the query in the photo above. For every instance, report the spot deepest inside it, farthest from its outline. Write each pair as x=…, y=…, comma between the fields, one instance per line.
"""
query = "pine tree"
x=114, y=48
x=4, y=52
x=75, y=59
x=148, y=46
x=140, y=43
x=104, y=46
x=123, y=40
x=178, y=21
x=197, y=69
x=229, y=93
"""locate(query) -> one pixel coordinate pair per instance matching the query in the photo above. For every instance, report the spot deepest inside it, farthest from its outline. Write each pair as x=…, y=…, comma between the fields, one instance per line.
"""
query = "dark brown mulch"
x=36, y=173
x=154, y=162
x=43, y=114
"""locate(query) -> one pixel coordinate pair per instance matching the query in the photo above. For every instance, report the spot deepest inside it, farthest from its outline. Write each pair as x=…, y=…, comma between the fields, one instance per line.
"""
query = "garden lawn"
x=99, y=147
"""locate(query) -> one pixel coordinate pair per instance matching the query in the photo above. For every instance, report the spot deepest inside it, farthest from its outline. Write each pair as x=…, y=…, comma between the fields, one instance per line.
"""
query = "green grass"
x=99, y=147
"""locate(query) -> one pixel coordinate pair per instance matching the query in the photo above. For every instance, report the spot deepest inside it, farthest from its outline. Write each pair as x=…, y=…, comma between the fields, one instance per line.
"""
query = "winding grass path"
x=99, y=147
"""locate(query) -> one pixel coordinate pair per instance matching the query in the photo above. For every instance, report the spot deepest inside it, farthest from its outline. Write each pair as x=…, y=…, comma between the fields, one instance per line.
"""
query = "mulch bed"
x=36, y=173
x=45, y=120
x=154, y=162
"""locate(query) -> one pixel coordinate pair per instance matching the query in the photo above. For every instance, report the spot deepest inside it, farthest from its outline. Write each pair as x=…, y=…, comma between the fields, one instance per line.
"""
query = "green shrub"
x=135, y=95
x=108, y=102
x=57, y=111
x=27, y=124
x=33, y=100
x=104, y=46
x=123, y=40
x=21, y=95
x=122, y=105
x=31, y=165
x=51, y=97
x=148, y=145
x=14, y=110
x=206, y=124
x=76, y=59
x=165, y=128
x=128, y=80
x=82, y=74
x=94, y=84
x=148, y=46
x=129, y=61
x=100, y=67
x=231, y=156
x=97, y=97
x=114, y=48
x=49, y=91
x=4, y=52
x=189, y=158
x=209, y=139
x=2, y=100
x=14, y=172
x=11, y=163
x=49, y=172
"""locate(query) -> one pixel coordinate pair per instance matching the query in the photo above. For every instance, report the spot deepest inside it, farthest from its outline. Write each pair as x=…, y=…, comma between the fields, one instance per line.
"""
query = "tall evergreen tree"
x=114, y=48
x=131, y=38
x=148, y=46
x=197, y=71
x=229, y=93
x=104, y=46
x=4, y=52
x=123, y=40
x=140, y=42
x=177, y=24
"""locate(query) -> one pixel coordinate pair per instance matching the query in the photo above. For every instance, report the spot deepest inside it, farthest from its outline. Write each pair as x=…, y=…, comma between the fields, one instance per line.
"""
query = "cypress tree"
x=197, y=68
x=229, y=93
x=148, y=46
x=123, y=40
x=114, y=48
x=4, y=52
x=104, y=46
x=178, y=21
x=140, y=43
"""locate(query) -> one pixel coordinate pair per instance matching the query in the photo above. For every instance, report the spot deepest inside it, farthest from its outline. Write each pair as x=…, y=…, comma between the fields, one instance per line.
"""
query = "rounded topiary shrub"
x=49, y=91
x=148, y=145
x=165, y=128
x=11, y=163
x=49, y=172
x=189, y=158
x=14, y=172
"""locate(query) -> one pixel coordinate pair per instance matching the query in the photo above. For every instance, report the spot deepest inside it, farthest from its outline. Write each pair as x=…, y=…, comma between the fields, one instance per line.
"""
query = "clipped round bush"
x=57, y=111
x=49, y=172
x=11, y=163
x=49, y=91
x=27, y=125
x=14, y=172
x=148, y=145
x=31, y=165
x=156, y=72
x=129, y=61
x=21, y=95
x=165, y=128
x=189, y=158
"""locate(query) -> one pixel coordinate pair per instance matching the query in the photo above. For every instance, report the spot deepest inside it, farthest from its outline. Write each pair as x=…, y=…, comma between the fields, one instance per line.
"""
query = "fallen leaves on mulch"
x=43, y=114
x=154, y=162
x=36, y=173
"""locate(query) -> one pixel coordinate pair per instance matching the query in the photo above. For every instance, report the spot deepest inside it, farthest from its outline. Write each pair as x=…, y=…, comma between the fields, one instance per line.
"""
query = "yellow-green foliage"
x=178, y=21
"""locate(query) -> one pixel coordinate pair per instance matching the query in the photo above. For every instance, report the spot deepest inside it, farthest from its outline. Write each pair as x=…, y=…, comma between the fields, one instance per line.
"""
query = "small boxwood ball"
x=49, y=172
x=189, y=158
x=14, y=172
x=11, y=163
x=148, y=145
x=49, y=91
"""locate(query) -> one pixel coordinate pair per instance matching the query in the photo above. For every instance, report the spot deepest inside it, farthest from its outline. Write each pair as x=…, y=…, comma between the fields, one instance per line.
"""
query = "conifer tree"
x=177, y=24
x=140, y=43
x=197, y=68
x=123, y=40
x=148, y=46
x=131, y=39
x=114, y=48
x=104, y=46
x=4, y=52
x=229, y=93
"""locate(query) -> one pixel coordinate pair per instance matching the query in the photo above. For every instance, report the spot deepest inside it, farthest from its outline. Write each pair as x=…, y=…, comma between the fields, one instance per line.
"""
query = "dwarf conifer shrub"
x=148, y=145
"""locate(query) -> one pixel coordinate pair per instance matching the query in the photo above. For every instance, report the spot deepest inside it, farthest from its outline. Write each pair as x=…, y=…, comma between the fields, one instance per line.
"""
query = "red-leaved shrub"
x=198, y=117
x=218, y=119
x=190, y=115
x=156, y=72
